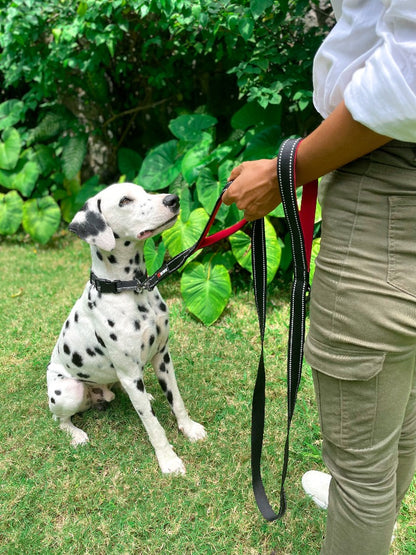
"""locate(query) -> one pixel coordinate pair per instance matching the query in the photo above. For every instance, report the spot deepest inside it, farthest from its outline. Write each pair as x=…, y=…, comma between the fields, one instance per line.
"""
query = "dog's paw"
x=171, y=464
x=79, y=437
x=193, y=431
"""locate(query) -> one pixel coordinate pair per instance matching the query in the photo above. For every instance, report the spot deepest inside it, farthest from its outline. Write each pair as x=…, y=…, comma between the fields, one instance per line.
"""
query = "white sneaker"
x=316, y=486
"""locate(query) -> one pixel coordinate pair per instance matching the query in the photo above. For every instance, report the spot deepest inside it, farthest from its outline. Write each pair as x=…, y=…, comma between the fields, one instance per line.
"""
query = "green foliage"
x=206, y=290
x=196, y=166
x=39, y=168
x=169, y=94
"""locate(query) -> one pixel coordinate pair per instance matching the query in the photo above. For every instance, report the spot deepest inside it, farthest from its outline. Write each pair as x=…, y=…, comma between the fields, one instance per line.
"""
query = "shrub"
x=91, y=88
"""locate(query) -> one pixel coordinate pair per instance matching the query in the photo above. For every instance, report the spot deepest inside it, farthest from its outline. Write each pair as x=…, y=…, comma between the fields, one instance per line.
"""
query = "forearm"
x=338, y=140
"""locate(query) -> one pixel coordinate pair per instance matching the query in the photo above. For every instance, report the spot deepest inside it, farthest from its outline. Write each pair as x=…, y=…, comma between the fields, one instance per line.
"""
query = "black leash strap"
x=300, y=289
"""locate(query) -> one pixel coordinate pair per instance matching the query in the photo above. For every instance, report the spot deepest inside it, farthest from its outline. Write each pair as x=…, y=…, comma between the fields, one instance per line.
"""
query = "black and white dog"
x=109, y=337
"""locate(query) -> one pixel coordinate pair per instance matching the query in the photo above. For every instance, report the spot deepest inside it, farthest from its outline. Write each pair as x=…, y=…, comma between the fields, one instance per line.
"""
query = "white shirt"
x=369, y=60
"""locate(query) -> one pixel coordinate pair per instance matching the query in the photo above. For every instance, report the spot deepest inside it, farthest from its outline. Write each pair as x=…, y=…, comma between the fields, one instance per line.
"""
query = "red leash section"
x=204, y=241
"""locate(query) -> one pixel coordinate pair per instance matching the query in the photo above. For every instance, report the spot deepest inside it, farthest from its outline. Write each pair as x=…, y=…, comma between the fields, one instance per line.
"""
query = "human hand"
x=255, y=188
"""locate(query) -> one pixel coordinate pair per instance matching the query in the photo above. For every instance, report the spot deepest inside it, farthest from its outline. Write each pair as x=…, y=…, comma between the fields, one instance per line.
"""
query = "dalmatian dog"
x=110, y=337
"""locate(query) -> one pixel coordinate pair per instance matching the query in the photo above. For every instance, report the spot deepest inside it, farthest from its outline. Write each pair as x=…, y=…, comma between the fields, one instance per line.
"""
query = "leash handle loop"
x=299, y=225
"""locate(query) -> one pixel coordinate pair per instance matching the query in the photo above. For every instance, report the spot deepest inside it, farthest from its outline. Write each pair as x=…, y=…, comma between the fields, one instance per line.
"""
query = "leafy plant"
x=91, y=92
x=194, y=165
x=40, y=172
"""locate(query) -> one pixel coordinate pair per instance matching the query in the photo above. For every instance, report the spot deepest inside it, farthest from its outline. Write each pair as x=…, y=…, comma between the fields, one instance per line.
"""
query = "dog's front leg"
x=163, y=366
x=169, y=462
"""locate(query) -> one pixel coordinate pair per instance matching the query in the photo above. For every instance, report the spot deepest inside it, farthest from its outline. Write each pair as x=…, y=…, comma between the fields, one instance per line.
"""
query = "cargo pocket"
x=346, y=385
x=401, y=272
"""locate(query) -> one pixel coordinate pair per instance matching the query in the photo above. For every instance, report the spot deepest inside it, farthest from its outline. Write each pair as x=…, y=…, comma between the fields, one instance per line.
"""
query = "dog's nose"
x=172, y=202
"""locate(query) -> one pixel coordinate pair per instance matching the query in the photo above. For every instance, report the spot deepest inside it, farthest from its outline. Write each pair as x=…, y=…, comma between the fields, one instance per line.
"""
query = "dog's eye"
x=124, y=201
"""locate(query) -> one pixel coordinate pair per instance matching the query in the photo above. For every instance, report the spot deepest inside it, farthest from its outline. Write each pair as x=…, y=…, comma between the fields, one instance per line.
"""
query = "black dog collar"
x=116, y=286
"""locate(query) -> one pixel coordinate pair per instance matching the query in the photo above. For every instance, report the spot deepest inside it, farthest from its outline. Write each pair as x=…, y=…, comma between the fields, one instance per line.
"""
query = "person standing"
x=361, y=345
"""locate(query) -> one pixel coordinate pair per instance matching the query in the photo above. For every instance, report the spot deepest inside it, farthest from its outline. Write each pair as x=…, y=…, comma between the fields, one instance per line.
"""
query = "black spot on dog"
x=99, y=255
x=100, y=341
x=162, y=306
x=98, y=351
x=166, y=358
x=58, y=392
x=127, y=269
x=52, y=400
x=99, y=205
x=77, y=360
x=163, y=385
x=91, y=305
x=142, y=308
x=136, y=324
x=140, y=384
x=76, y=317
x=162, y=367
x=67, y=324
x=112, y=259
x=151, y=340
x=115, y=235
x=84, y=376
x=127, y=243
x=139, y=275
x=67, y=350
x=169, y=397
x=137, y=259
x=110, y=323
x=91, y=352
x=157, y=330
x=113, y=336
x=93, y=225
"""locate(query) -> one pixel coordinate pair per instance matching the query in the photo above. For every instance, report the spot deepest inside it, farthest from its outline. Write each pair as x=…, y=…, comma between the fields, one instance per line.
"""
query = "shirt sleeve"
x=382, y=94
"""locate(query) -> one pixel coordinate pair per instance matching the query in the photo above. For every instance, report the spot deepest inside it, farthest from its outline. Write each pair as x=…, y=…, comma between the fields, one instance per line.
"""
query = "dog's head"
x=124, y=210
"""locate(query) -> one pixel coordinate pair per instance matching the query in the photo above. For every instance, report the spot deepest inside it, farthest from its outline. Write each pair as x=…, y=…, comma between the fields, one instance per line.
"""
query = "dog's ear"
x=90, y=225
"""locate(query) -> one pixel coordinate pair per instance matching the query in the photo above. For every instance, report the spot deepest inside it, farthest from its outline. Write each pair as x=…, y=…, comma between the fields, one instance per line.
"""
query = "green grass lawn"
x=109, y=496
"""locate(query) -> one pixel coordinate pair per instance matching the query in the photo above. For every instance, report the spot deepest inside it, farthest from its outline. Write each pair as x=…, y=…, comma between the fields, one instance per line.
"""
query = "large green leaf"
x=184, y=234
x=206, y=290
x=160, y=167
x=209, y=189
x=241, y=247
x=252, y=114
x=195, y=158
x=10, y=149
x=154, y=255
x=11, y=212
x=41, y=217
x=189, y=127
x=129, y=162
x=28, y=172
x=257, y=7
x=73, y=155
x=11, y=112
x=263, y=144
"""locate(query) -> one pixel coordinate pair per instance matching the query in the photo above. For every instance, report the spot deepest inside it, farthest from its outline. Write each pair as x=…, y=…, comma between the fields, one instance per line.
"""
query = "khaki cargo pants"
x=362, y=345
